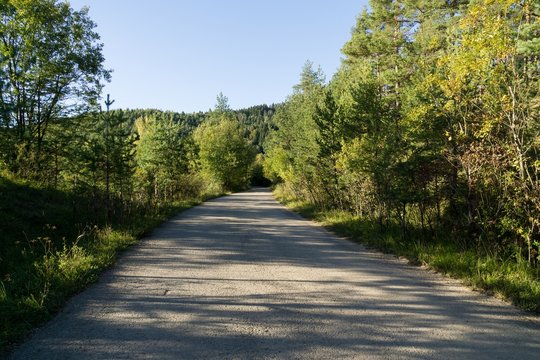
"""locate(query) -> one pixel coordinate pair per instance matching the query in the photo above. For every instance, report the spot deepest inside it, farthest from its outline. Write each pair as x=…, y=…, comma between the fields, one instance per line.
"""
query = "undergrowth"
x=52, y=246
x=510, y=277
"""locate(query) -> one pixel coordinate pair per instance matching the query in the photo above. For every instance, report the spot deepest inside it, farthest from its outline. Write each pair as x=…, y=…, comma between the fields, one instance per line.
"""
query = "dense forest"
x=426, y=138
x=430, y=131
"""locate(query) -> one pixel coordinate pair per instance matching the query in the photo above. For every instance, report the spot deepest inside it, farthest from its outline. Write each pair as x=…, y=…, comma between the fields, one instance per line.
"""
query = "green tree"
x=329, y=121
x=292, y=148
x=222, y=105
x=226, y=156
x=51, y=65
x=164, y=154
x=99, y=159
x=490, y=84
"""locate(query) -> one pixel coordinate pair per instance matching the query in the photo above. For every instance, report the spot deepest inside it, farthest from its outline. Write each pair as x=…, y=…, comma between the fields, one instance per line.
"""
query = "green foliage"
x=189, y=121
x=222, y=104
x=94, y=153
x=529, y=30
x=329, y=120
x=509, y=279
x=50, y=66
x=256, y=122
x=53, y=245
x=225, y=156
x=165, y=155
x=291, y=146
x=428, y=131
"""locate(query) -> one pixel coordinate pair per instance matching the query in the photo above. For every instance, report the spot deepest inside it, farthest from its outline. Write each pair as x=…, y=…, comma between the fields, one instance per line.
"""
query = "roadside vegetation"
x=426, y=142
x=80, y=182
x=511, y=279
x=54, y=246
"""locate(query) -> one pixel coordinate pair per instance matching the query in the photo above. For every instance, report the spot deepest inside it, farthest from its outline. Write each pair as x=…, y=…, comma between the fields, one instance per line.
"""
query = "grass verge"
x=52, y=246
x=511, y=278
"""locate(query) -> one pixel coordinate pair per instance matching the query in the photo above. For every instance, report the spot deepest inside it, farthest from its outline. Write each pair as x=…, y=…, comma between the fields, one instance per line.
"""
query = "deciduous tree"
x=51, y=65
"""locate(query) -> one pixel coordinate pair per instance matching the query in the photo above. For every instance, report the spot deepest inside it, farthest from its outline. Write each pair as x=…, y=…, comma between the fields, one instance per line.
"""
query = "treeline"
x=121, y=157
x=431, y=123
x=145, y=157
x=56, y=132
x=256, y=122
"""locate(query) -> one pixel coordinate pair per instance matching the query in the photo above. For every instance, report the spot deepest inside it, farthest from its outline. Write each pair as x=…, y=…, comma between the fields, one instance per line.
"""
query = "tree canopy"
x=431, y=121
x=51, y=66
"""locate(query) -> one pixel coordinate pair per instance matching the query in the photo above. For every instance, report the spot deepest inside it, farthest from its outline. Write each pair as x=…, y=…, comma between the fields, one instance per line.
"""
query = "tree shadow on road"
x=244, y=278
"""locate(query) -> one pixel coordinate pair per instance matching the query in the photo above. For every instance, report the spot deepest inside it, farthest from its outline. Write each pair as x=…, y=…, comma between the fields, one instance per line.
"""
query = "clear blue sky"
x=179, y=54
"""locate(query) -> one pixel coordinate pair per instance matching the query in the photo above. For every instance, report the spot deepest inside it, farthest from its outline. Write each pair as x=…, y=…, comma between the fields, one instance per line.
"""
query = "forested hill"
x=255, y=120
x=191, y=120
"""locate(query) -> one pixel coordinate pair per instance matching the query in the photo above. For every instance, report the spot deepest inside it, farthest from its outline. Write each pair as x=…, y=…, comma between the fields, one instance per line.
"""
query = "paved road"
x=241, y=277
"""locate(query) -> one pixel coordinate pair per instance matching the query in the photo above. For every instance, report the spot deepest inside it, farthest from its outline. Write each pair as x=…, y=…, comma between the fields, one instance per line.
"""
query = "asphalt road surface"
x=241, y=277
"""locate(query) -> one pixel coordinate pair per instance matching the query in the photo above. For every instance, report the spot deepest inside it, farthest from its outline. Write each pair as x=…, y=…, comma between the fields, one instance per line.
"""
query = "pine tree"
x=292, y=146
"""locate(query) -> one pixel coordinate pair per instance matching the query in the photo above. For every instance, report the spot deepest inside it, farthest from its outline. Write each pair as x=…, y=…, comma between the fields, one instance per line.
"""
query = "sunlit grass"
x=512, y=279
x=49, y=250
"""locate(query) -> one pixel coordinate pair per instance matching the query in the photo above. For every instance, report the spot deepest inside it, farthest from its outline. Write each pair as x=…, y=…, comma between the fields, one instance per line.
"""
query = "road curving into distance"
x=241, y=277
